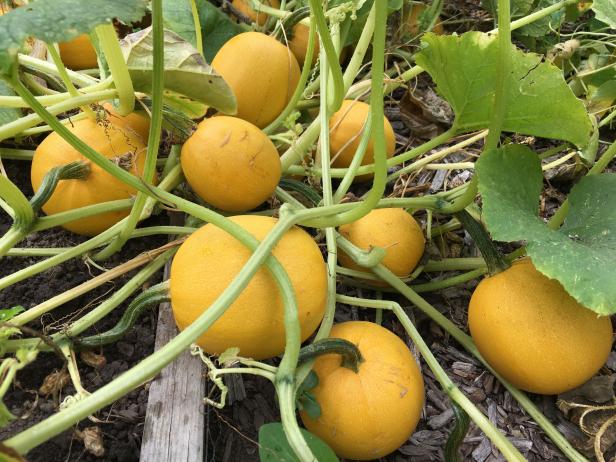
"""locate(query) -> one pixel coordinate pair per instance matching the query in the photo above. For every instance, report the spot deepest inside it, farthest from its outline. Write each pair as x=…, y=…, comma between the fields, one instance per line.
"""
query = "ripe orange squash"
x=211, y=258
x=533, y=333
x=392, y=229
x=245, y=8
x=345, y=129
x=231, y=164
x=261, y=71
x=111, y=141
x=299, y=43
x=367, y=414
x=78, y=54
x=134, y=123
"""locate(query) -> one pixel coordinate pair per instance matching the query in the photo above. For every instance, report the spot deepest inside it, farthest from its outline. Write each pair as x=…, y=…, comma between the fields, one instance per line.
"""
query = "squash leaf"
x=8, y=114
x=59, y=20
x=216, y=28
x=274, y=447
x=539, y=102
x=605, y=11
x=186, y=72
x=581, y=254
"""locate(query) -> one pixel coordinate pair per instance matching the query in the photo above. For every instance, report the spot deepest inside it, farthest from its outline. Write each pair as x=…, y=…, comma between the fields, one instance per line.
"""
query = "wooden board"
x=174, y=421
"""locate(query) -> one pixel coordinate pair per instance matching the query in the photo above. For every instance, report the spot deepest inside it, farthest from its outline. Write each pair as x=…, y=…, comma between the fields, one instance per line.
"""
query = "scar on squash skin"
x=244, y=136
x=227, y=139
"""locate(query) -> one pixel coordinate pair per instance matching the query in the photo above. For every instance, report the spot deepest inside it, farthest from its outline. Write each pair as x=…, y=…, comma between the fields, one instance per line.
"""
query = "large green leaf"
x=8, y=114
x=177, y=17
x=581, y=254
x=539, y=102
x=605, y=11
x=59, y=20
x=541, y=27
x=216, y=28
x=186, y=72
x=274, y=447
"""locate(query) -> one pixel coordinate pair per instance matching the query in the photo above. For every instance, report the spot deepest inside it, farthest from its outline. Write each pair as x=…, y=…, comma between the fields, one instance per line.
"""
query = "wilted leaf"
x=538, y=100
x=186, y=72
x=581, y=254
x=59, y=20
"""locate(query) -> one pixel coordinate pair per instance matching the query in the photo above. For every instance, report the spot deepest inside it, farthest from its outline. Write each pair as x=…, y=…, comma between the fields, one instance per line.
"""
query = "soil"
x=122, y=423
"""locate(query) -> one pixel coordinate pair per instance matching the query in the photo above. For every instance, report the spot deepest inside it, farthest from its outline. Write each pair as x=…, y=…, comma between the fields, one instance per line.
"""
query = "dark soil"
x=122, y=423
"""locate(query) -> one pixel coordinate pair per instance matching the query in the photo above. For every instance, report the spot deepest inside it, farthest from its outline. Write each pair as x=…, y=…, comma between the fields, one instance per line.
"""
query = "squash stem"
x=493, y=257
x=77, y=170
x=108, y=41
x=351, y=356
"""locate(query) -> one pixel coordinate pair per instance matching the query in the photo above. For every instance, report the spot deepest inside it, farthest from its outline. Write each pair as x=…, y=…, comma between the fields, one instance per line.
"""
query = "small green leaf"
x=541, y=27
x=8, y=114
x=186, y=72
x=216, y=28
x=581, y=254
x=310, y=405
x=274, y=447
x=228, y=356
x=605, y=11
x=538, y=100
x=59, y=20
x=177, y=17
x=10, y=313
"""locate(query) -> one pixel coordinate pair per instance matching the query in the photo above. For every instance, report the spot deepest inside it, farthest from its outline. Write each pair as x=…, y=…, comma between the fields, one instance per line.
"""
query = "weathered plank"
x=174, y=422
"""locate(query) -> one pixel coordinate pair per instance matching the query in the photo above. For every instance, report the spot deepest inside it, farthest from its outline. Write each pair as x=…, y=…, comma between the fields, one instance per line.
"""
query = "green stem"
x=49, y=68
x=454, y=264
x=23, y=215
x=155, y=295
x=197, y=26
x=325, y=39
x=58, y=219
x=77, y=170
x=108, y=41
x=299, y=89
x=18, y=126
x=10, y=239
x=149, y=169
x=357, y=59
x=351, y=356
x=493, y=257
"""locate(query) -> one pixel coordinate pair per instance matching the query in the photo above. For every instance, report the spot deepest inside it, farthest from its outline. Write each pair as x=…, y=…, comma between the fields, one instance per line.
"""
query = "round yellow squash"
x=134, y=123
x=111, y=141
x=261, y=71
x=393, y=229
x=533, y=333
x=211, y=258
x=299, y=43
x=231, y=164
x=78, y=54
x=345, y=128
x=245, y=7
x=368, y=414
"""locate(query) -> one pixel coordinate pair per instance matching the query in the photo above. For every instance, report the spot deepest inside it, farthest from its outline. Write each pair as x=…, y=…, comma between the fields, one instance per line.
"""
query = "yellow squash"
x=78, y=54
x=211, y=258
x=368, y=414
x=345, y=128
x=231, y=164
x=261, y=71
x=113, y=142
x=532, y=332
x=245, y=7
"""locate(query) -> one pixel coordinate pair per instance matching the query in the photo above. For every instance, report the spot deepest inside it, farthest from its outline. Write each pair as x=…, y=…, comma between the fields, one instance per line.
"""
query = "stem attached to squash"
x=492, y=256
x=108, y=41
x=351, y=356
x=77, y=170
x=149, y=169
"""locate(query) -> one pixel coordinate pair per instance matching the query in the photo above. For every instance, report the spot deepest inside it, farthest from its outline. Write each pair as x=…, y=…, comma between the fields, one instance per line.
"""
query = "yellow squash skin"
x=134, y=123
x=210, y=259
x=393, y=229
x=368, y=414
x=345, y=127
x=299, y=43
x=245, y=8
x=78, y=54
x=262, y=73
x=110, y=141
x=532, y=332
x=231, y=164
